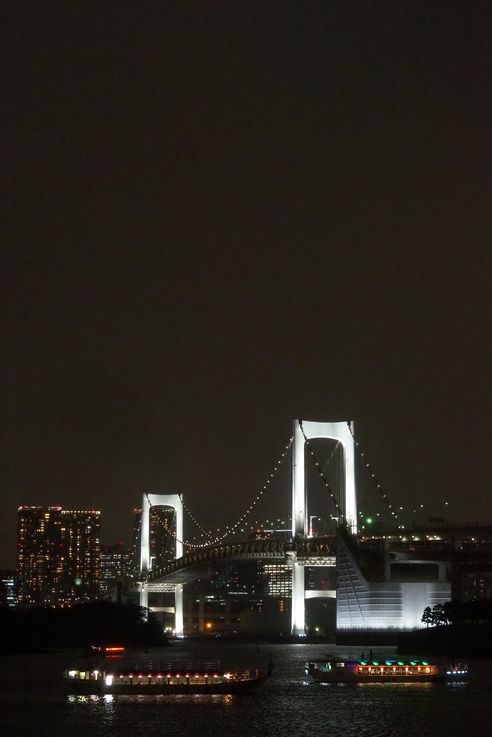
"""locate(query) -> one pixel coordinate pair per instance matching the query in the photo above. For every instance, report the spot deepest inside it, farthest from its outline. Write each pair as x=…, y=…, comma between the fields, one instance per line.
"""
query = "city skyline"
x=221, y=220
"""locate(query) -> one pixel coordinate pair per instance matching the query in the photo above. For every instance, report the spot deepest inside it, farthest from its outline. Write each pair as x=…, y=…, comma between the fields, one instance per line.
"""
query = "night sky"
x=224, y=215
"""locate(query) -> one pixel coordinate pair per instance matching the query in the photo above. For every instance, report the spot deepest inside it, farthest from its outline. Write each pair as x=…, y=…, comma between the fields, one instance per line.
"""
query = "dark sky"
x=221, y=216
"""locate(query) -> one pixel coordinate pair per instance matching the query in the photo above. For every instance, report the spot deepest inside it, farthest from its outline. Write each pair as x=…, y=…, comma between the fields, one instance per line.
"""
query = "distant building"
x=161, y=532
x=57, y=556
x=39, y=556
x=277, y=579
x=7, y=588
x=80, y=559
x=115, y=570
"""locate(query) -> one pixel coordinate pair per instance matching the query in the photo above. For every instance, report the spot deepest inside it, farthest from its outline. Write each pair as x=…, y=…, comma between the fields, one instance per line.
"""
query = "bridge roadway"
x=194, y=564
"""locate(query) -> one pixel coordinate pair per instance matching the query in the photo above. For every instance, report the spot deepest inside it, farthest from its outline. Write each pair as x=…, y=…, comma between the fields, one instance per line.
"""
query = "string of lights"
x=375, y=480
x=206, y=533
x=229, y=529
x=320, y=470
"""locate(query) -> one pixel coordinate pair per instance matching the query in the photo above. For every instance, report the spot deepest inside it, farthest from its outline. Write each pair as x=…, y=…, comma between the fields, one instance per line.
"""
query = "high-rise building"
x=39, y=556
x=57, y=556
x=80, y=560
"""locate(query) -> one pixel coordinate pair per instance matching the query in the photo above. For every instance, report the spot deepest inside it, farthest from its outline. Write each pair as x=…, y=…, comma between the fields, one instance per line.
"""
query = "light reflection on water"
x=289, y=705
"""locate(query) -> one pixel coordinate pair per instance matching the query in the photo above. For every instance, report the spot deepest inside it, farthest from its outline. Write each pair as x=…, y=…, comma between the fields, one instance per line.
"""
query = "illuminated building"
x=57, y=556
x=278, y=579
x=39, y=555
x=7, y=588
x=80, y=559
x=114, y=569
x=389, y=592
x=162, y=542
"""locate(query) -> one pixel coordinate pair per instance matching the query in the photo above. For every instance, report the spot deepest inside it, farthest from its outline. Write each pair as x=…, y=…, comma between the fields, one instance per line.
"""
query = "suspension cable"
x=375, y=480
x=229, y=529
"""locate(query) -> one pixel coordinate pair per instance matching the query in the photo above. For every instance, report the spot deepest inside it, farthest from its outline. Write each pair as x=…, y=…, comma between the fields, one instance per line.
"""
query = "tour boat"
x=165, y=680
x=338, y=670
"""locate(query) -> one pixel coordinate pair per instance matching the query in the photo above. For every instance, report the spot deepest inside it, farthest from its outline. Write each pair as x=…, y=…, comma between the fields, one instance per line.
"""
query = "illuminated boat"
x=166, y=680
x=107, y=651
x=365, y=671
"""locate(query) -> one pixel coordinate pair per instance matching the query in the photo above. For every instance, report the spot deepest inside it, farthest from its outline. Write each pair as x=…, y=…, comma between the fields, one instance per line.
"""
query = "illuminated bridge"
x=306, y=552
x=391, y=593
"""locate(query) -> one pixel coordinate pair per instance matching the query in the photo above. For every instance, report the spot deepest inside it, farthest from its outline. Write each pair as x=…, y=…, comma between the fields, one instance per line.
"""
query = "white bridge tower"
x=341, y=432
x=168, y=500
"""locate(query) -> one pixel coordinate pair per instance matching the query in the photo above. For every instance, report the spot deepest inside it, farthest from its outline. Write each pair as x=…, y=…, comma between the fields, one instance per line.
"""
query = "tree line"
x=456, y=612
x=99, y=622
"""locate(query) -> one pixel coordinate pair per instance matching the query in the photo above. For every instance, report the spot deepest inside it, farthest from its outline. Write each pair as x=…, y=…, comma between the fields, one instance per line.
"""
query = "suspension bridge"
x=192, y=557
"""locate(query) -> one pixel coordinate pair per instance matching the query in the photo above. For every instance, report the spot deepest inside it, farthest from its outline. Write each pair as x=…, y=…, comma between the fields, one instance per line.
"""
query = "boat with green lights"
x=339, y=670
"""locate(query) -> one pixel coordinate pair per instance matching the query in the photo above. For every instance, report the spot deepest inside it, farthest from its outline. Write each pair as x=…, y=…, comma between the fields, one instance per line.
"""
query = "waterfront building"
x=386, y=590
x=57, y=556
x=7, y=588
x=39, y=555
x=80, y=560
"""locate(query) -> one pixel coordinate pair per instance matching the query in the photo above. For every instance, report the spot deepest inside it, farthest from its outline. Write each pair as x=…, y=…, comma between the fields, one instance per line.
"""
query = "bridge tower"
x=168, y=500
x=339, y=431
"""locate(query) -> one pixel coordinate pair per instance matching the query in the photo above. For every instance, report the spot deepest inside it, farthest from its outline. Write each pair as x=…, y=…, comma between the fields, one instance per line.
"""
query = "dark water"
x=33, y=703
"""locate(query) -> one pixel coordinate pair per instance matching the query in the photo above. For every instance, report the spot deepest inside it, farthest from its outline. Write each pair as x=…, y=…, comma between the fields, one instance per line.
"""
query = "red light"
x=150, y=675
x=216, y=675
x=131, y=675
x=197, y=675
x=140, y=675
x=168, y=675
x=187, y=675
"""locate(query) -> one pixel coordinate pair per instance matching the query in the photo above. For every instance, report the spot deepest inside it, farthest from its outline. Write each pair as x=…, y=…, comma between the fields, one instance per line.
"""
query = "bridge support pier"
x=178, y=611
x=298, y=610
x=144, y=595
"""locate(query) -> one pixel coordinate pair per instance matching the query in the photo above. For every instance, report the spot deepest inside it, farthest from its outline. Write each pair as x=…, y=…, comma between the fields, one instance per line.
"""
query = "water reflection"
x=111, y=700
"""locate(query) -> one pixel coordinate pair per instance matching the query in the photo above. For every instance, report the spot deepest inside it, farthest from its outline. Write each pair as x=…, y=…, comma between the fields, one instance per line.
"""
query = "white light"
x=109, y=680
